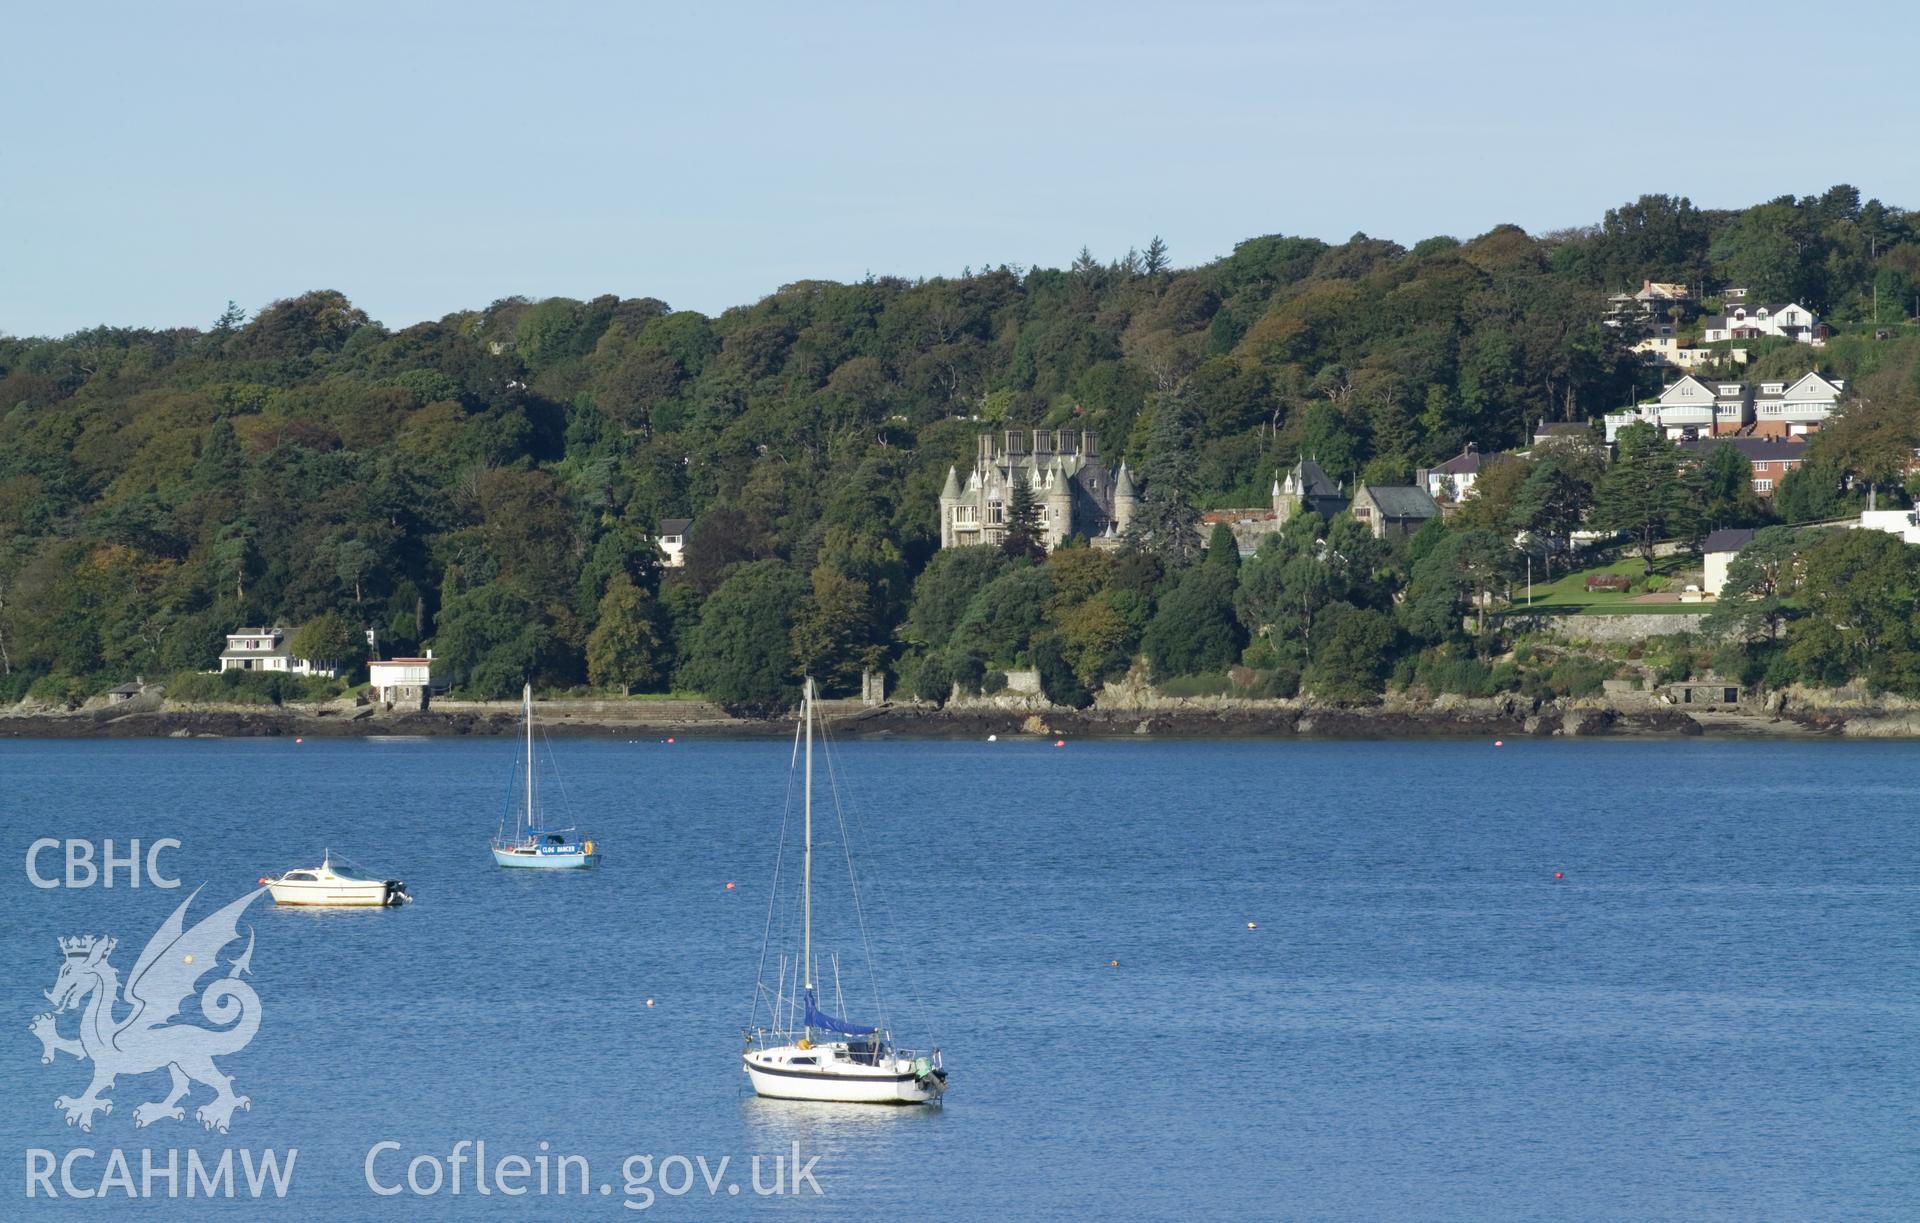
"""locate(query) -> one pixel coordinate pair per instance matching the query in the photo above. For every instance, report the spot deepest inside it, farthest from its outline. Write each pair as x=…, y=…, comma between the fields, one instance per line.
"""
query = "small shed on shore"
x=1707, y=691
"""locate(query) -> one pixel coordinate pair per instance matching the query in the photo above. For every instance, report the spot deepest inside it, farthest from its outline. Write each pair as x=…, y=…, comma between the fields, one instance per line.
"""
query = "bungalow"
x=1772, y=457
x=673, y=541
x=265, y=649
x=1718, y=550
x=1392, y=511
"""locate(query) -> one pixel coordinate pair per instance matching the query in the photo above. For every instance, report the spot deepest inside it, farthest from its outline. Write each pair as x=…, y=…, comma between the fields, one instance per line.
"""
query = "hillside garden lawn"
x=1568, y=595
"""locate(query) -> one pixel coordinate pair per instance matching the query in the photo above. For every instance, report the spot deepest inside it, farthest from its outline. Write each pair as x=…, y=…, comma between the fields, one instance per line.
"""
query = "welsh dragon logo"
x=144, y=1039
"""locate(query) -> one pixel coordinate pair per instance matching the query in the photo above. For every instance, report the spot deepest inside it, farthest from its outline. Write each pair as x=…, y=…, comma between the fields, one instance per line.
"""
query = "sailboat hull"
x=893, y=1083
x=545, y=862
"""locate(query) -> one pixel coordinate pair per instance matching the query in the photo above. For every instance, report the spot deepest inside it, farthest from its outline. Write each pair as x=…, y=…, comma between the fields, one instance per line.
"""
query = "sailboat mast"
x=526, y=696
x=807, y=869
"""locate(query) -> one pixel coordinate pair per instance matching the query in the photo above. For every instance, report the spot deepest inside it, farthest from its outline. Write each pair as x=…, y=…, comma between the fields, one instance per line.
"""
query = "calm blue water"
x=1713, y=1015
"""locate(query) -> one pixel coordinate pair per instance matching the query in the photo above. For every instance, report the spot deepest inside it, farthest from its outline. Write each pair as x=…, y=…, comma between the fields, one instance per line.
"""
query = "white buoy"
x=993, y=738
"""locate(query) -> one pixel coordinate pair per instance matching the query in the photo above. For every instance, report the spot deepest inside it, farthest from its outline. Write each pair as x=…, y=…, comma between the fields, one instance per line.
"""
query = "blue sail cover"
x=817, y=1018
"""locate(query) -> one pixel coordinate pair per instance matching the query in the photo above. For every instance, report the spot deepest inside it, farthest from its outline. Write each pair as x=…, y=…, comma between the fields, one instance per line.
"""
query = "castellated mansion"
x=1078, y=495
x=1075, y=492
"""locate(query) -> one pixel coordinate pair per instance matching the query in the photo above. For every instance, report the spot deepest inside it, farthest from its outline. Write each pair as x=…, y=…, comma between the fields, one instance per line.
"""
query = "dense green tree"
x=1060, y=683
x=741, y=655
x=1223, y=551
x=1026, y=535
x=1164, y=523
x=1751, y=605
x=1861, y=590
x=1644, y=494
x=833, y=633
x=626, y=649
x=949, y=583
x=1550, y=506
x=1461, y=575
x=1354, y=656
x=1194, y=629
x=328, y=638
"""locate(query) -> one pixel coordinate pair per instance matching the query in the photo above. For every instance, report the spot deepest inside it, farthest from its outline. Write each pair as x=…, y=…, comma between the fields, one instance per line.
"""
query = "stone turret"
x=1125, y=501
x=1059, y=504
x=949, y=501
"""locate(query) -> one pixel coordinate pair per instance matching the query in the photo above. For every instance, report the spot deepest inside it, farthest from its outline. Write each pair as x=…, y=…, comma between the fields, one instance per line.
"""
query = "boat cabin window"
x=297, y=877
x=346, y=870
x=554, y=838
x=805, y=1061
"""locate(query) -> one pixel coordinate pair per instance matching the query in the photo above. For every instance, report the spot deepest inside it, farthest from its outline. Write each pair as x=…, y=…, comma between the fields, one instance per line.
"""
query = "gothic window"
x=996, y=511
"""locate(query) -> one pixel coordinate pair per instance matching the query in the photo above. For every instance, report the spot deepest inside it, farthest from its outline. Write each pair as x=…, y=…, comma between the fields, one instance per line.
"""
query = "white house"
x=401, y=681
x=1700, y=406
x=265, y=649
x=1786, y=320
x=1904, y=523
x=673, y=541
x=1718, y=551
x=1783, y=409
x=1453, y=479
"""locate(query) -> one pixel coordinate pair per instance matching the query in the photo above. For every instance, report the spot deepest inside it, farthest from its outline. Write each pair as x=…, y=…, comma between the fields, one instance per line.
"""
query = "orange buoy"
x=729, y=886
x=1059, y=742
x=1557, y=876
x=1499, y=743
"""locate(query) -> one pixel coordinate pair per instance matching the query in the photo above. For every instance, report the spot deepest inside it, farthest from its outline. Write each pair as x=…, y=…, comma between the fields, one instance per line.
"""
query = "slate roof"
x=1728, y=539
x=1562, y=428
x=675, y=526
x=1756, y=449
x=1403, y=501
x=1467, y=462
x=1315, y=482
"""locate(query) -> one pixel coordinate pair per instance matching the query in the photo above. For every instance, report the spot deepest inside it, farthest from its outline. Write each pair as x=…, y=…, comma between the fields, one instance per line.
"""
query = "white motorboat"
x=336, y=883
x=824, y=1057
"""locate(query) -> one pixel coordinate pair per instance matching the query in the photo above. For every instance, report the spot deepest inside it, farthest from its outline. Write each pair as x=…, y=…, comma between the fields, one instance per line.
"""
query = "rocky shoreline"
x=1496, y=718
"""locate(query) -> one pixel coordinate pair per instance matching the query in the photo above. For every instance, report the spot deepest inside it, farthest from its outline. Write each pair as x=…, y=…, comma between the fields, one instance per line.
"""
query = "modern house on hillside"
x=265, y=649
x=1784, y=320
x=1700, y=406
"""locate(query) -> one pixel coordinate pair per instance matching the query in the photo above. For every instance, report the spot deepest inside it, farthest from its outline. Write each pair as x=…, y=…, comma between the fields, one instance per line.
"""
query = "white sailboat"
x=532, y=846
x=824, y=1057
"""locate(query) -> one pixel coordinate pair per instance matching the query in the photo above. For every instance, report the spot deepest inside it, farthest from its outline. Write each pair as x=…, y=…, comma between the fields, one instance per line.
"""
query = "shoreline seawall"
x=1399, y=719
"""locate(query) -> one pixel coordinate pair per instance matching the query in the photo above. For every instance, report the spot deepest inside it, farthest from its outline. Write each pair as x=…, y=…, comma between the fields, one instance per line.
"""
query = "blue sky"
x=161, y=159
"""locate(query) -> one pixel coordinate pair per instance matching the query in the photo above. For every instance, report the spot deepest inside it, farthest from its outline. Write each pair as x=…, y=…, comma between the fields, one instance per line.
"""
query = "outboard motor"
x=396, y=893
